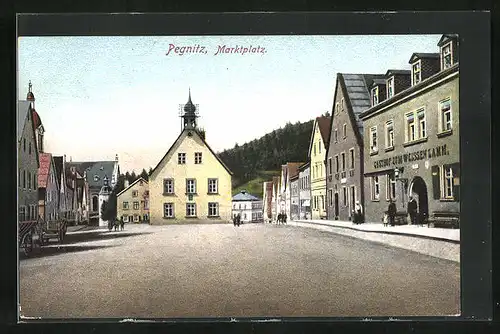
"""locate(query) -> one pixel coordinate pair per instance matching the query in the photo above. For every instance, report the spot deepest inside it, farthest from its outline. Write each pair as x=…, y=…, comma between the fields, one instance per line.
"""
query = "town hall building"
x=190, y=183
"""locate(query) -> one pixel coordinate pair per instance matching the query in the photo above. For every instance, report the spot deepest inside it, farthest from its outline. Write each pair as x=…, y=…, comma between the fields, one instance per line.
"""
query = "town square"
x=250, y=184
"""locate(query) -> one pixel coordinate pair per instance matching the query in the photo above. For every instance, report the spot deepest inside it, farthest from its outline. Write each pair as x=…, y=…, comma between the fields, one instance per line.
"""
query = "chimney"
x=116, y=157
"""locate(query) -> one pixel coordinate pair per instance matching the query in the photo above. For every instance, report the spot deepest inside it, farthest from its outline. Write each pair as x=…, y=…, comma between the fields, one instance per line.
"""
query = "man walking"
x=391, y=212
x=412, y=210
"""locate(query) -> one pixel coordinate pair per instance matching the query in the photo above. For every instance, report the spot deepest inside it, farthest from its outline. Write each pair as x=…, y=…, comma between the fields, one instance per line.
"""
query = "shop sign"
x=396, y=160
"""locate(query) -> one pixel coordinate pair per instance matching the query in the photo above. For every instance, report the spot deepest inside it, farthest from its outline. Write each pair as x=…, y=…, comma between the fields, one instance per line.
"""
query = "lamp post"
x=404, y=182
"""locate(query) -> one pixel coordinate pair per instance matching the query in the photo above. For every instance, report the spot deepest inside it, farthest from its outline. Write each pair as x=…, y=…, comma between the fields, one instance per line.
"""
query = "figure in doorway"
x=412, y=210
x=391, y=212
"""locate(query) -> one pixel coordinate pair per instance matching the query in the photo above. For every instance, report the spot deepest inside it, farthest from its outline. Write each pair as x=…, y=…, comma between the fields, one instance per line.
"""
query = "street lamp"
x=404, y=182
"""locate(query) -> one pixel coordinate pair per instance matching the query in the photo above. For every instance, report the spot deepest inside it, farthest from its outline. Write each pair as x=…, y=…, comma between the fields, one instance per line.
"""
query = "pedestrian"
x=122, y=224
x=116, y=225
x=278, y=220
x=391, y=212
x=412, y=210
x=234, y=219
x=358, y=213
x=238, y=220
x=284, y=218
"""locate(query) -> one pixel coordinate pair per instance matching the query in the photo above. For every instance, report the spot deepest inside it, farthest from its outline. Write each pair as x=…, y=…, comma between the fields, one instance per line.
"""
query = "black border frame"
x=475, y=87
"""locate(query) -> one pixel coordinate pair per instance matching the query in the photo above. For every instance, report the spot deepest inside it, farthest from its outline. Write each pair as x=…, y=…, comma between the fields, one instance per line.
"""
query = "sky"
x=102, y=96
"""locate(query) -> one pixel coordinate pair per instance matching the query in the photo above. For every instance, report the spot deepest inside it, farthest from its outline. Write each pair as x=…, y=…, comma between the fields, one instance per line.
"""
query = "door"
x=336, y=205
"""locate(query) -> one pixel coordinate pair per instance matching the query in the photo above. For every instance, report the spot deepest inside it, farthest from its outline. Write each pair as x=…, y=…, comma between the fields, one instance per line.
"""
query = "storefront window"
x=448, y=182
x=375, y=188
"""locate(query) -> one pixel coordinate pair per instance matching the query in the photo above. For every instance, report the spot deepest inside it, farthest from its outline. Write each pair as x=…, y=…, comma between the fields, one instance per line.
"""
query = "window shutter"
x=436, y=187
x=456, y=181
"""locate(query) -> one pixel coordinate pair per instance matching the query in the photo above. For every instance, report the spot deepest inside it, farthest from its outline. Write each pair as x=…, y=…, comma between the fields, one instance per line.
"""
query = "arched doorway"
x=95, y=205
x=418, y=189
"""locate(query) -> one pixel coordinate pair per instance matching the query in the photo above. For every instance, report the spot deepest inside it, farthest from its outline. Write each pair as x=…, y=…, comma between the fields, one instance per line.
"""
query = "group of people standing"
x=412, y=212
x=281, y=219
x=237, y=220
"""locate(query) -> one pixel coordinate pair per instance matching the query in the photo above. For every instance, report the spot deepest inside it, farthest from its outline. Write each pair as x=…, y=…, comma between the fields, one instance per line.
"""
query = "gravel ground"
x=224, y=271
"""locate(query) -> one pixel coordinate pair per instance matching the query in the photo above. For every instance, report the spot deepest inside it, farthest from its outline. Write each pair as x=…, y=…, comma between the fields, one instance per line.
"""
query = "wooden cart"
x=28, y=235
x=55, y=229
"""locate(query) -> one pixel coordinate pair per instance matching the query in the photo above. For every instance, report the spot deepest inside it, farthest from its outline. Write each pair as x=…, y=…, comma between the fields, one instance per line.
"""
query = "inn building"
x=412, y=136
x=316, y=155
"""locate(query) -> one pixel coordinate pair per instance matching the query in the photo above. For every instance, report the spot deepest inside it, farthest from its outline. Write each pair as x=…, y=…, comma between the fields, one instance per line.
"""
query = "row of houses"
x=390, y=137
x=50, y=187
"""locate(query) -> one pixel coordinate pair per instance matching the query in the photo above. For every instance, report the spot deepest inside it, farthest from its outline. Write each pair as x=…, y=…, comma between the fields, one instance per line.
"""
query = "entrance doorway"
x=336, y=205
x=418, y=189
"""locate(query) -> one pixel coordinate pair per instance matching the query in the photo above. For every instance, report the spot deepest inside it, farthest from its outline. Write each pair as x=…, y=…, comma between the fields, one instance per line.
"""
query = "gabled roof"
x=323, y=123
x=446, y=38
x=418, y=55
x=293, y=168
x=139, y=179
x=378, y=81
x=304, y=166
x=244, y=196
x=204, y=142
x=94, y=168
x=44, y=169
x=357, y=96
x=397, y=72
x=23, y=107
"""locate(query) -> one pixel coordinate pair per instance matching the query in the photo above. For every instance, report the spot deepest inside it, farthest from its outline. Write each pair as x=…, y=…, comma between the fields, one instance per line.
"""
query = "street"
x=219, y=270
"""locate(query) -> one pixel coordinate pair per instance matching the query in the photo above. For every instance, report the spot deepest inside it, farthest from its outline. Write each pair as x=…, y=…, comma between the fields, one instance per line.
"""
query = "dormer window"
x=390, y=87
x=416, y=74
x=446, y=56
x=374, y=96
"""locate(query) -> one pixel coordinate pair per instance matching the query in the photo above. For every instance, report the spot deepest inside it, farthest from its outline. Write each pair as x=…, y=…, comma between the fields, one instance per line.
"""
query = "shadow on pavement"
x=98, y=235
x=57, y=250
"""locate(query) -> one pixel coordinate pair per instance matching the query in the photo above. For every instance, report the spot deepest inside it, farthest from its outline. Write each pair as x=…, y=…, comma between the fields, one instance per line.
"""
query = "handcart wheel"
x=27, y=243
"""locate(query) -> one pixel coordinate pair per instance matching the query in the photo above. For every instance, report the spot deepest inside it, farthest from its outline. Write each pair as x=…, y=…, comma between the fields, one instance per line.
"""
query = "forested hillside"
x=268, y=153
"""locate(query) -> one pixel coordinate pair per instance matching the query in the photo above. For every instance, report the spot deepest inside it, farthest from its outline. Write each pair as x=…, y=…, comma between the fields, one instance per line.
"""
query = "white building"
x=248, y=206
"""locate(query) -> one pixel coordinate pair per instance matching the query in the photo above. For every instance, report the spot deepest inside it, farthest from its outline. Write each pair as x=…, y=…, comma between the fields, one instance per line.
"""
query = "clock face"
x=189, y=134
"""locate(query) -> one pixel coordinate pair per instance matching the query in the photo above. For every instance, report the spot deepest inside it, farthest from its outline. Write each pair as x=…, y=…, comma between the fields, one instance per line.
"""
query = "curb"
x=405, y=234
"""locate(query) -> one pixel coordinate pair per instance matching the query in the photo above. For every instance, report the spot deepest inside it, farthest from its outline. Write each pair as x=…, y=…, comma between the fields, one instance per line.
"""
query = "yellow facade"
x=133, y=202
x=318, y=175
x=189, y=142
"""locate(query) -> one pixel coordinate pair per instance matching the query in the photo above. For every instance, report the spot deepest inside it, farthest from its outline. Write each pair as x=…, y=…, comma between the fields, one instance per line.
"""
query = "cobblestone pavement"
x=224, y=271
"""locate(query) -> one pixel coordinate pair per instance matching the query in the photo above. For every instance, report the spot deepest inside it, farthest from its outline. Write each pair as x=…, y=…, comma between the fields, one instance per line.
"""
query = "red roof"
x=324, y=128
x=36, y=119
x=293, y=168
x=44, y=169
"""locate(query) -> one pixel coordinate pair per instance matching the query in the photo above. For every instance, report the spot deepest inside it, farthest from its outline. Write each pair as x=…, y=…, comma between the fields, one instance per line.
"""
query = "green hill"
x=255, y=185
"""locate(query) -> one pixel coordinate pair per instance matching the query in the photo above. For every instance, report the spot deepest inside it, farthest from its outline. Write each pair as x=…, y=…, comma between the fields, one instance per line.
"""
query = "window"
x=445, y=115
x=24, y=144
x=197, y=158
x=168, y=210
x=24, y=179
x=375, y=188
x=314, y=148
x=319, y=146
x=181, y=158
x=343, y=160
x=374, y=96
x=22, y=213
x=373, y=140
x=411, y=134
x=136, y=218
x=337, y=108
x=212, y=186
x=416, y=73
x=168, y=186
x=125, y=205
x=29, y=180
x=337, y=164
x=389, y=134
x=416, y=129
x=35, y=185
x=323, y=204
x=447, y=182
x=96, y=178
x=344, y=130
x=421, y=123
x=342, y=105
x=390, y=87
x=146, y=204
x=336, y=135
x=446, y=56
x=213, y=209
x=29, y=148
x=190, y=210
x=125, y=218
x=190, y=186
x=351, y=153
x=330, y=170
x=135, y=193
x=330, y=196
x=390, y=187
x=344, y=196
x=136, y=205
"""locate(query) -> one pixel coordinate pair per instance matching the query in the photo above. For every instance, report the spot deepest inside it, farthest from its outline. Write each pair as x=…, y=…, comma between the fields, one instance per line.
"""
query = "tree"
x=144, y=174
x=109, y=211
x=150, y=171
